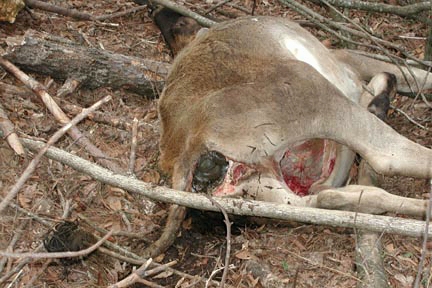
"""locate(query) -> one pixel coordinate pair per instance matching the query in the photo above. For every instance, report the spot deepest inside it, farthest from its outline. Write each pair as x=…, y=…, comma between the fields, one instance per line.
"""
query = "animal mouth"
x=301, y=169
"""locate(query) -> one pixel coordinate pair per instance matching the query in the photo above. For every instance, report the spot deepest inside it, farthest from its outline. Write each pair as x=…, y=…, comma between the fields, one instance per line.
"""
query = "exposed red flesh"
x=304, y=164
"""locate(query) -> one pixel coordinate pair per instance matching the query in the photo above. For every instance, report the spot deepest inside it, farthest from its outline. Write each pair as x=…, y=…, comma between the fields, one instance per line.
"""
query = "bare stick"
x=368, y=246
x=17, y=235
x=216, y=6
x=42, y=270
x=409, y=118
x=69, y=86
x=404, y=11
x=54, y=255
x=139, y=261
x=185, y=12
x=322, y=266
x=141, y=236
x=121, y=13
x=9, y=133
x=133, y=146
x=100, y=117
x=59, y=10
x=141, y=273
x=33, y=164
x=52, y=106
x=132, y=278
x=29, y=214
x=18, y=267
x=228, y=239
x=375, y=223
x=425, y=241
x=319, y=20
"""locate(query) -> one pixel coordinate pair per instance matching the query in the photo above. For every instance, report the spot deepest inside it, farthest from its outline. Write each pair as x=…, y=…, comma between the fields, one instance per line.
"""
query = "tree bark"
x=93, y=68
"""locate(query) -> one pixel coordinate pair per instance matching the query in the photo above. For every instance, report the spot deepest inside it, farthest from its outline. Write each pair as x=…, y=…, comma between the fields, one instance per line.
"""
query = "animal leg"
x=367, y=68
x=367, y=199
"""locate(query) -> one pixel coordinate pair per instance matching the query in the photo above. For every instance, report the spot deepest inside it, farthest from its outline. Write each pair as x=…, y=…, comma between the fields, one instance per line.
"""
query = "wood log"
x=63, y=59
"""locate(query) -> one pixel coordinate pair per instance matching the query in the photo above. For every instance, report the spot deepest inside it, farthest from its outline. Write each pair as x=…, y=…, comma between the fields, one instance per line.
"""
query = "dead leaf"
x=114, y=203
x=390, y=248
x=151, y=176
x=27, y=196
x=245, y=255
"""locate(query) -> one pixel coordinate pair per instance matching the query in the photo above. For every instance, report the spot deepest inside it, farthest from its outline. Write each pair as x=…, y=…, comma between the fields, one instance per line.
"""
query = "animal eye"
x=209, y=172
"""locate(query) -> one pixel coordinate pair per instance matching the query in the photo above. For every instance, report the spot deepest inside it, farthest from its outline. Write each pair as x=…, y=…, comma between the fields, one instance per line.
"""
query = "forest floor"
x=301, y=255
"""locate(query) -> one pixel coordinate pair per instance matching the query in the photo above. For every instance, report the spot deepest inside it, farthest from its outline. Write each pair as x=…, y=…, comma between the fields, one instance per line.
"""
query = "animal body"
x=258, y=108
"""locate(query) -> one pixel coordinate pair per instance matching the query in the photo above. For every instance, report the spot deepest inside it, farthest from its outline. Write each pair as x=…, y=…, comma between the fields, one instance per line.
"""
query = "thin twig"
x=18, y=267
x=42, y=270
x=318, y=20
x=28, y=213
x=228, y=239
x=9, y=132
x=409, y=118
x=134, y=141
x=33, y=164
x=121, y=13
x=323, y=266
x=59, y=10
x=77, y=14
x=158, y=269
x=58, y=113
x=216, y=6
x=54, y=255
x=379, y=42
x=185, y=12
x=425, y=240
x=132, y=278
x=141, y=236
x=16, y=236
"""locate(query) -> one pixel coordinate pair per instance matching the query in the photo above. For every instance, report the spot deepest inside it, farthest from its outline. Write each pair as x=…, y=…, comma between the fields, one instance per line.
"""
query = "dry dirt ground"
x=301, y=255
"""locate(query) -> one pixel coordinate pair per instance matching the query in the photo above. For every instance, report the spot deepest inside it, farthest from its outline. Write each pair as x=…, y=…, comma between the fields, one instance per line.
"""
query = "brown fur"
x=236, y=86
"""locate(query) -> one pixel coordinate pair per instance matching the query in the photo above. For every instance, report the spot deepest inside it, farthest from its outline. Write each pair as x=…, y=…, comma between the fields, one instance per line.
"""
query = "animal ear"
x=177, y=30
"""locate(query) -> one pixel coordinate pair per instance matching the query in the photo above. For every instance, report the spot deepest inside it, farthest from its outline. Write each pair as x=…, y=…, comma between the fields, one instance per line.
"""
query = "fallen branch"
x=62, y=59
x=404, y=11
x=33, y=164
x=132, y=157
x=58, y=10
x=77, y=14
x=184, y=11
x=18, y=232
x=55, y=255
x=228, y=239
x=322, y=22
x=9, y=134
x=142, y=272
x=58, y=113
x=375, y=223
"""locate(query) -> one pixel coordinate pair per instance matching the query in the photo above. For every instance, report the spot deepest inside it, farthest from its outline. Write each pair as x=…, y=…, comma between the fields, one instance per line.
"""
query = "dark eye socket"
x=209, y=172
